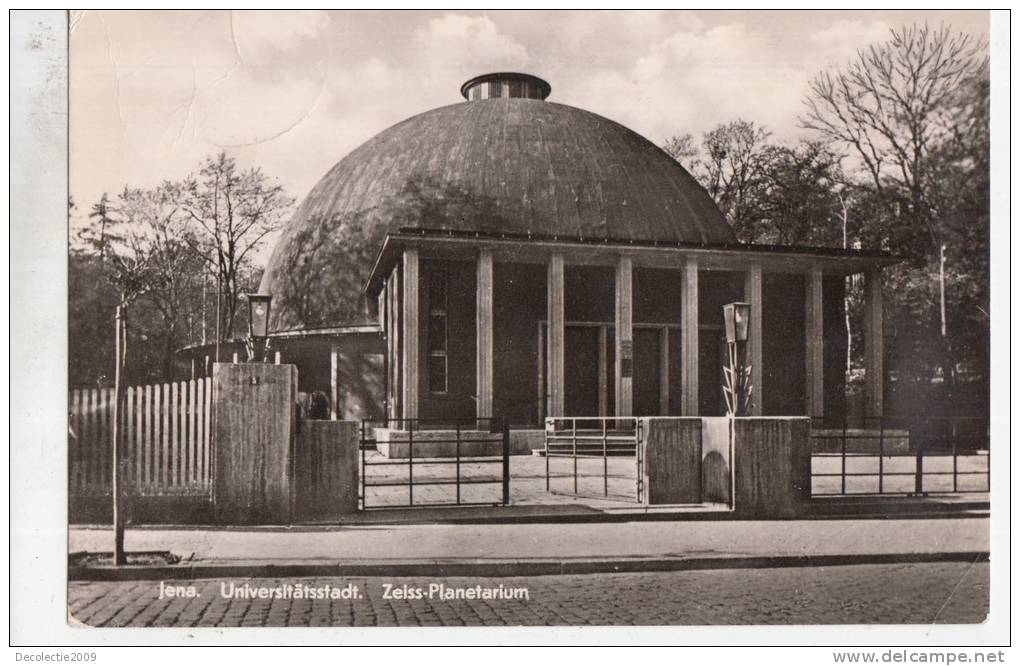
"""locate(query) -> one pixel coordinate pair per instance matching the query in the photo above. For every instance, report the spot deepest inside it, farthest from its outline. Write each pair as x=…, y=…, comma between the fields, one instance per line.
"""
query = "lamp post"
x=258, y=327
x=737, y=374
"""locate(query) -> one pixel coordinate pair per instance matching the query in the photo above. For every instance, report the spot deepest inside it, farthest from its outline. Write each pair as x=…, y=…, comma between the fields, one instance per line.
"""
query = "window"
x=437, y=332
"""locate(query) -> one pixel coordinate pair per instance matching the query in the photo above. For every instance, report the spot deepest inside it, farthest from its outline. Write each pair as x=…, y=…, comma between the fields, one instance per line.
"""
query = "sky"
x=153, y=93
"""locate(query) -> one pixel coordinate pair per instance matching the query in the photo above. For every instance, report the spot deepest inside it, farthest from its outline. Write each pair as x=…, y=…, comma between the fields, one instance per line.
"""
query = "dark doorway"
x=711, y=357
x=647, y=375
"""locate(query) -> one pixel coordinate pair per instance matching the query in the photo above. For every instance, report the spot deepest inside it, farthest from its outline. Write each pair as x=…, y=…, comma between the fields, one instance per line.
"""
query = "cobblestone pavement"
x=907, y=593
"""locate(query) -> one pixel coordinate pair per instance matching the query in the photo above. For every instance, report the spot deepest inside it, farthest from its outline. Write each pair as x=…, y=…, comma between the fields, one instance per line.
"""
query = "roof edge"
x=562, y=238
x=385, y=257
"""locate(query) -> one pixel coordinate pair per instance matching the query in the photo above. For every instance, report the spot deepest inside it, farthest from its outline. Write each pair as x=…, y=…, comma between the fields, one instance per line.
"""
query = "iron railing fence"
x=583, y=438
x=893, y=455
x=435, y=454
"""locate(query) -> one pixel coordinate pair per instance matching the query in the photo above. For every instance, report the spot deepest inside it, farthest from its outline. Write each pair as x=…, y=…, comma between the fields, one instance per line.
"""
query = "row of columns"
x=555, y=357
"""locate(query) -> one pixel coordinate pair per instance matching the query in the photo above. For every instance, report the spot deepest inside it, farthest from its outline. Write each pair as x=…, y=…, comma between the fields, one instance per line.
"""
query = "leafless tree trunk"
x=847, y=287
x=116, y=473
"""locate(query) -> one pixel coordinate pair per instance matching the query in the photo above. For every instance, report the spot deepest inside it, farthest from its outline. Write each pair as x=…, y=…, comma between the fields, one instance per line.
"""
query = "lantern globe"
x=737, y=317
x=258, y=315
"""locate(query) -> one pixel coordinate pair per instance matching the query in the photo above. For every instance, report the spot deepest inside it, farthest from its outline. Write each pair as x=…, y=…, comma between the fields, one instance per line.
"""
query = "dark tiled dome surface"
x=499, y=165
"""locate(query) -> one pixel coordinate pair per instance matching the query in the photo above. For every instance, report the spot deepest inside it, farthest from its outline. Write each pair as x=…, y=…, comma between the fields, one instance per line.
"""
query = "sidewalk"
x=538, y=548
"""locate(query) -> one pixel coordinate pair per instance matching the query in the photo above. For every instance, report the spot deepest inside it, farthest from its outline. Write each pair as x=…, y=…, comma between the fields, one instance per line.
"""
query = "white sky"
x=152, y=93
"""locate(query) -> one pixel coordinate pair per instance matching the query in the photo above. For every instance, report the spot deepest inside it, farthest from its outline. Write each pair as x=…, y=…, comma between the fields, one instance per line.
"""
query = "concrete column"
x=813, y=344
x=664, y=371
x=752, y=294
x=484, y=334
x=689, y=339
x=624, y=338
x=874, y=344
x=334, y=384
x=556, y=357
x=396, y=346
x=603, y=371
x=542, y=387
x=411, y=367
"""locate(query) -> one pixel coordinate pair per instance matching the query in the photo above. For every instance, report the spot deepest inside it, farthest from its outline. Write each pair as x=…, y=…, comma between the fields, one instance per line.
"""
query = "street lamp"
x=737, y=375
x=258, y=326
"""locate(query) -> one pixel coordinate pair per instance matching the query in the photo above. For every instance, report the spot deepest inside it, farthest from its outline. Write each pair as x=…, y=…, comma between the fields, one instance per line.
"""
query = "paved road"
x=907, y=593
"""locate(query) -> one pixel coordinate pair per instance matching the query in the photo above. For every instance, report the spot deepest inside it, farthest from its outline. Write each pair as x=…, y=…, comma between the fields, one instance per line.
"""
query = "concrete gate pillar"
x=253, y=428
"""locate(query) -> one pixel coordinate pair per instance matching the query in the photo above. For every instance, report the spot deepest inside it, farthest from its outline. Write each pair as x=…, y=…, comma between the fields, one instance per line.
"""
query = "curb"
x=854, y=511
x=500, y=568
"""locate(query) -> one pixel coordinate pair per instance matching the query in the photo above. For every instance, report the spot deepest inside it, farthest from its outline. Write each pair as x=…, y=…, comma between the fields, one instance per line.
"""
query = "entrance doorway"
x=589, y=360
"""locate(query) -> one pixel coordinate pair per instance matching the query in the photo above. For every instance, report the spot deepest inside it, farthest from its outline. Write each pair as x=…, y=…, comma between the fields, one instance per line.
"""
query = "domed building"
x=509, y=256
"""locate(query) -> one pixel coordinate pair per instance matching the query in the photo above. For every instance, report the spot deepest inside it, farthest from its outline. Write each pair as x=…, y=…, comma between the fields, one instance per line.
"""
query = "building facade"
x=509, y=256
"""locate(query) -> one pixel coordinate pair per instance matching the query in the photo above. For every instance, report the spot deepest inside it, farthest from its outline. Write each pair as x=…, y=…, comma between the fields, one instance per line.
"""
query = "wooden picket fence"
x=167, y=439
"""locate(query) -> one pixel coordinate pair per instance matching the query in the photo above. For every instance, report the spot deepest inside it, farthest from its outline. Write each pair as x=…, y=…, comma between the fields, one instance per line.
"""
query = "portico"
x=527, y=326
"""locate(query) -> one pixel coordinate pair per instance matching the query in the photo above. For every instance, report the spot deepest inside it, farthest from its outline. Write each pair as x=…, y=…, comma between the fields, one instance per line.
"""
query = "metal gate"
x=603, y=457
x=900, y=456
x=417, y=463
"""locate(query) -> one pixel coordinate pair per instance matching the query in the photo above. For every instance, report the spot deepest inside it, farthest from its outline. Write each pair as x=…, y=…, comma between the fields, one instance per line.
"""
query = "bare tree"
x=232, y=211
x=731, y=163
x=768, y=192
x=119, y=244
x=174, y=272
x=893, y=106
x=897, y=107
x=684, y=149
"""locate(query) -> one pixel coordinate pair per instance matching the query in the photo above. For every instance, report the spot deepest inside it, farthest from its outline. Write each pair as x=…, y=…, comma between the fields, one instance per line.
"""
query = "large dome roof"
x=508, y=165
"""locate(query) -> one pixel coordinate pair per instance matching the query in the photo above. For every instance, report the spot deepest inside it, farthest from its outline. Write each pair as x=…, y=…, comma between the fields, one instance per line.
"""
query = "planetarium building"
x=509, y=256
